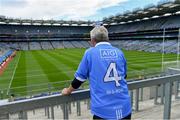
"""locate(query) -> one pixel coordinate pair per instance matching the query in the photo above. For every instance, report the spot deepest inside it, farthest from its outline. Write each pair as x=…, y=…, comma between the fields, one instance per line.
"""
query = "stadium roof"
x=5, y=20
x=163, y=8
x=169, y=7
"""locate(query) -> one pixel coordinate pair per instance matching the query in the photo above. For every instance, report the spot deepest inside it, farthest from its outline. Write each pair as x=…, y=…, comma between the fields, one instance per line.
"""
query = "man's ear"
x=93, y=42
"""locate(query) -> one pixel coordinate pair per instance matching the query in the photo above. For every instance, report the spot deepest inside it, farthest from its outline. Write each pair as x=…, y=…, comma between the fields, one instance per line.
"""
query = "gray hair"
x=99, y=34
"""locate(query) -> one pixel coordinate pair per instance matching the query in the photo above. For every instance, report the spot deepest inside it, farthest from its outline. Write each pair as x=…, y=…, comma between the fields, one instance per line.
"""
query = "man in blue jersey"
x=105, y=67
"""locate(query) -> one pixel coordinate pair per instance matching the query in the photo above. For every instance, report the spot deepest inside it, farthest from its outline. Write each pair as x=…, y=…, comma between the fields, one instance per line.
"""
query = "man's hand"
x=67, y=91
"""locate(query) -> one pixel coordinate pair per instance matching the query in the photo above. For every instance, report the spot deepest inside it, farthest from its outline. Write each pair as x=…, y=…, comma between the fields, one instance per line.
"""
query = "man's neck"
x=102, y=43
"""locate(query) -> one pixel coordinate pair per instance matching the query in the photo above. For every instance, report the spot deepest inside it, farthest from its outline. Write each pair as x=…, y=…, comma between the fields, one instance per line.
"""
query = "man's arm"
x=80, y=76
x=75, y=84
x=125, y=76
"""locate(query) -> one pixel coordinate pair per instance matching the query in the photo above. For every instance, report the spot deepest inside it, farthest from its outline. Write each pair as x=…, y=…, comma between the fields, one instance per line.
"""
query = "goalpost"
x=172, y=64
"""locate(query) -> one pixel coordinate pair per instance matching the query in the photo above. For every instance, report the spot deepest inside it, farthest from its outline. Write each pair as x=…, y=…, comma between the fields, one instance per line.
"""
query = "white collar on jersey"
x=102, y=43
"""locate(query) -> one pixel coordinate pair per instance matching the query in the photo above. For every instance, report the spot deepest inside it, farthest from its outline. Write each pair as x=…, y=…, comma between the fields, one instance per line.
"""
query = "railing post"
x=88, y=104
x=78, y=108
x=7, y=116
x=48, y=114
x=137, y=100
x=167, y=105
x=176, y=89
x=69, y=108
x=65, y=111
x=25, y=117
x=74, y=104
x=34, y=112
x=85, y=102
x=45, y=111
x=156, y=95
x=141, y=94
x=131, y=94
x=162, y=93
x=22, y=115
x=52, y=112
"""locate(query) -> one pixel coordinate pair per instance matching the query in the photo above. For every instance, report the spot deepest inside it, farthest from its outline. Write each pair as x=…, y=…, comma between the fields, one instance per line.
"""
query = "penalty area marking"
x=13, y=74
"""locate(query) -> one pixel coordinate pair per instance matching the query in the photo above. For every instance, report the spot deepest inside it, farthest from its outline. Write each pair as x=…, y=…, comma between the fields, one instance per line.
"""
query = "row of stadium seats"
x=5, y=56
x=170, y=46
x=2, y=51
x=152, y=24
x=36, y=30
x=46, y=45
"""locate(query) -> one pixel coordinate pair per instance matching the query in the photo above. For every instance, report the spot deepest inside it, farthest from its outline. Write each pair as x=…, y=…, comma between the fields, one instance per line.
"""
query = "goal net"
x=171, y=65
x=170, y=61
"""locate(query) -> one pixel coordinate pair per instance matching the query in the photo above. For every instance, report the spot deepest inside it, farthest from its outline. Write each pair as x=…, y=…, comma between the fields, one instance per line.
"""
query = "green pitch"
x=33, y=72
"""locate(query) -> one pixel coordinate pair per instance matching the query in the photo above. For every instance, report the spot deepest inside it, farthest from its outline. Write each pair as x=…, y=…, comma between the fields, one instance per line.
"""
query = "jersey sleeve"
x=82, y=72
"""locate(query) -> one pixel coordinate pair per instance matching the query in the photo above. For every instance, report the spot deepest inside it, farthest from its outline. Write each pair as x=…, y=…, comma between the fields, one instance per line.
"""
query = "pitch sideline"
x=13, y=74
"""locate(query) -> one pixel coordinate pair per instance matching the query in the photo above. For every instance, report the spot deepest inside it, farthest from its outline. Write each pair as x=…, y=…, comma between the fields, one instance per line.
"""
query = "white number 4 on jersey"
x=114, y=76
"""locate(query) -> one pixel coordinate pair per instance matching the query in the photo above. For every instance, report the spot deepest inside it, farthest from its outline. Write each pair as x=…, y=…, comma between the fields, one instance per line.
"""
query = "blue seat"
x=5, y=56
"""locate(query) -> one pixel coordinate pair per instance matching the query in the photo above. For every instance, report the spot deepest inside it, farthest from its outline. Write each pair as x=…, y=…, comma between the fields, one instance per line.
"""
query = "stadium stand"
x=67, y=44
x=57, y=44
x=24, y=46
x=42, y=29
x=77, y=44
x=13, y=45
x=46, y=45
x=5, y=56
x=152, y=24
x=138, y=33
x=85, y=44
x=147, y=45
x=34, y=46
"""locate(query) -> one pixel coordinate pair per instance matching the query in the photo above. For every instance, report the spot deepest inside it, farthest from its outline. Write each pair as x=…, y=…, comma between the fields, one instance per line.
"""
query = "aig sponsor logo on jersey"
x=108, y=53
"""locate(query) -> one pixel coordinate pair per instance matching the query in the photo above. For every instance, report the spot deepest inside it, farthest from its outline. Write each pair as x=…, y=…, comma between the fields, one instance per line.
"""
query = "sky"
x=94, y=10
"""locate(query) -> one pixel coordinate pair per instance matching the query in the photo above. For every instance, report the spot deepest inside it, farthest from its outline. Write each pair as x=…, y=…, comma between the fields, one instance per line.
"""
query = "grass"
x=51, y=70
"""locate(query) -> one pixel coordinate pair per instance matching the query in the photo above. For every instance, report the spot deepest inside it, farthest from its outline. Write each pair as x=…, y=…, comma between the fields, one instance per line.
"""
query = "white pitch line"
x=174, y=69
x=13, y=74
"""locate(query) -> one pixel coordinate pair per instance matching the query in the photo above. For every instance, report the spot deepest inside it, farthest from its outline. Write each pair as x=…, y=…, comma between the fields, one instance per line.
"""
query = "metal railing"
x=21, y=107
x=36, y=89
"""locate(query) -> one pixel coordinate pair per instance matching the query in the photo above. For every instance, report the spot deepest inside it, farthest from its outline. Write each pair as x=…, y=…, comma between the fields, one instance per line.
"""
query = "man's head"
x=99, y=34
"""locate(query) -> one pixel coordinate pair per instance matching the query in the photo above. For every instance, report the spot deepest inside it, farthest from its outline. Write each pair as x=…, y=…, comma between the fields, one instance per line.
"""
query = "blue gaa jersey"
x=105, y=67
